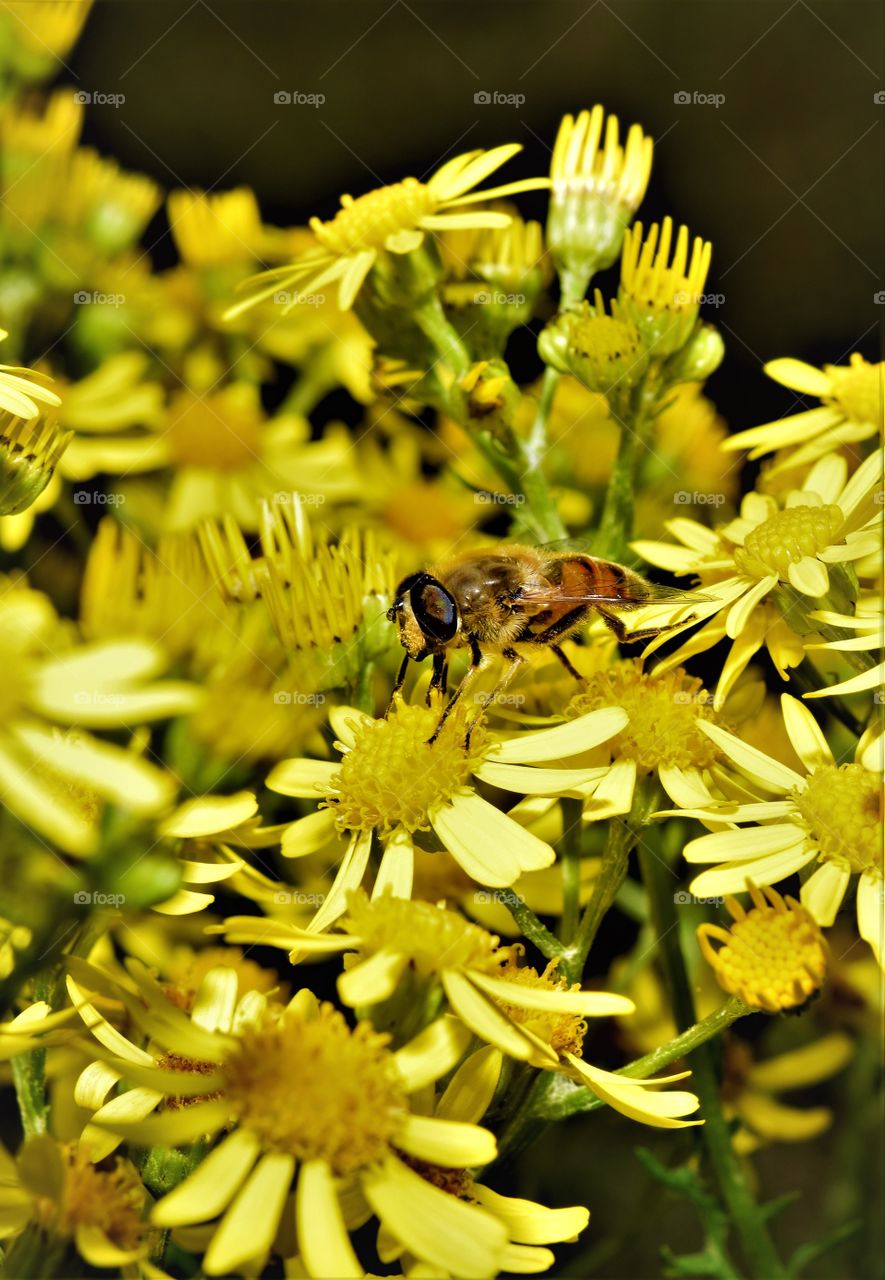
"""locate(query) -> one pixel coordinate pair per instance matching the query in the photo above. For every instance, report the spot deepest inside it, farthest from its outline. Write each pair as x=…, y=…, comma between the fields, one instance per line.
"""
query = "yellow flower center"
x=108, y=1199
x=605, y=347
x=563, y=1032
x=432, y=937
x=391, y=777
x=366, y=223
x=788, y=537
x=664, y=712
x=774, y=956
x=842, y=808
x=213, y=431
x=857, y=390
x=314, y=1088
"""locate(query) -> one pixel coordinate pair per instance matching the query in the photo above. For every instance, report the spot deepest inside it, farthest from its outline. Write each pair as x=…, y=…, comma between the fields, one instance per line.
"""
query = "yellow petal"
x=432, y=1053
x=248, y=1228
x=372, y=980
x=798, y=1068
x=634, y=1099
x=322, y=1236
x=488, y=844
x=822, y=892
x=301, y=778
x=469, y=1093
x=530, y=1223
x=563, y=740
x=798, y=376
x=95, y=1248
x=586, y=1004
x=482, y=1017
x=208, y=1191
x=397, y=868
x=307, y=835
x=439, y=1229
x=209, y=815
x=871, y=914
x=450, y=1143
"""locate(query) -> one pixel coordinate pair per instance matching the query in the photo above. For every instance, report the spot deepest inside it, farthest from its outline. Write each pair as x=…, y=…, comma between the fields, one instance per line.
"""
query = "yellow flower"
x=393, y=783
x=392, y=219
x=38, y=36
x=213, y=229
x=532, y=1017
x=774, y=956
x=832, y=816
x=665, y=714
x=663, y=296
x=831, y=520
x=308, y=1101
x=851, y=410
x=226, y=455
x=55, y=1186
x=207, y=827
x=868, y=625
x=53, y=778
x=751, y=1090
x=596, y=185
x=21, y=389
x=29, y=454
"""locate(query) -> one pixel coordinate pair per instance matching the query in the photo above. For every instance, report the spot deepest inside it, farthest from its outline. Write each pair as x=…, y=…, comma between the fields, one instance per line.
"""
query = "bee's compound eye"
x=435, y=611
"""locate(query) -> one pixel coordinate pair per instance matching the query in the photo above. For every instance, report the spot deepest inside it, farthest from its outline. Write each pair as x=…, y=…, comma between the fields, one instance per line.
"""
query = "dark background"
x=785, y=177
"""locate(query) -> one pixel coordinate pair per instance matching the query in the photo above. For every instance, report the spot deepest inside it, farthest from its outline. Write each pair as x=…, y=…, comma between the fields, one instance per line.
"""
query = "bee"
x=491, y=600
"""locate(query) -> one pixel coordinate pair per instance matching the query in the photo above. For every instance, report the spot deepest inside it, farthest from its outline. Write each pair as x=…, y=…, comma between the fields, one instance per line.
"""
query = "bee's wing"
x=652, y=593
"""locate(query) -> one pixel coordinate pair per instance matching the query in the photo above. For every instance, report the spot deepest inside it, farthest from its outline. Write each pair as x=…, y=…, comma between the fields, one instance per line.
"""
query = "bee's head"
x=425, y=614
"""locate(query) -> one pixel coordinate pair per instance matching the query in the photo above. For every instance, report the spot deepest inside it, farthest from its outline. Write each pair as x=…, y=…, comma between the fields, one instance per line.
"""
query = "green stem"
x=431, y=320
x=529, y=924
x=362, y=688
x=570, y=868
x=28, y=1076
x=622, y=836
x=734, y=1189
x=522, y=472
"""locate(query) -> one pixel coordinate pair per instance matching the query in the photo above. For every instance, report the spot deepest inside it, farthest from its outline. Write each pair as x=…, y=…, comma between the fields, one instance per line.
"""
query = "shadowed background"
x=783, y=173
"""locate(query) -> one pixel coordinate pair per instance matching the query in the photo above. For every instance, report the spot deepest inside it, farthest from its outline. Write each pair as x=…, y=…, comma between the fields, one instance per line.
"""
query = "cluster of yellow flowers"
x=286, y=975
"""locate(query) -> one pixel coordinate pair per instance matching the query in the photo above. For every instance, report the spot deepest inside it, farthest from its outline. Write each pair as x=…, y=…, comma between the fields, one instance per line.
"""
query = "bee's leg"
x=515, y=660
x=476, y=660
x=439, y=679
x=567, y=663
x=632, y=637
x=400, y=681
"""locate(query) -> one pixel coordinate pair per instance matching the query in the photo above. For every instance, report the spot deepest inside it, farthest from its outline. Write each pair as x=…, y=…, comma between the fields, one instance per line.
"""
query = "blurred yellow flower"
x=394, y=220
